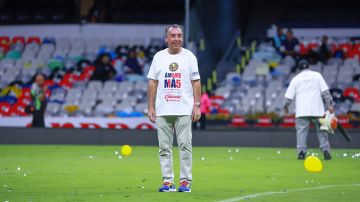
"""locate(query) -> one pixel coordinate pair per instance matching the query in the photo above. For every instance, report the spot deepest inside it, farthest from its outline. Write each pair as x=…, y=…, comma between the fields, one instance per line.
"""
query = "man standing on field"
x=309, y=90
x=174, y=102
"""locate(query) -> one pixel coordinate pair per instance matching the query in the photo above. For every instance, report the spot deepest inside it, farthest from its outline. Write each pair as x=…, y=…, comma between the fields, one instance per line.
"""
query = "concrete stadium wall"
x=215, y=137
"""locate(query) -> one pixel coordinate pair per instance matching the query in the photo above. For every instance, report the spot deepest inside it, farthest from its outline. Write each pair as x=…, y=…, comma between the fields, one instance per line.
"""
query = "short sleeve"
x=152, y=70
x=323, y=85
x=194, y=69
x=290, y=91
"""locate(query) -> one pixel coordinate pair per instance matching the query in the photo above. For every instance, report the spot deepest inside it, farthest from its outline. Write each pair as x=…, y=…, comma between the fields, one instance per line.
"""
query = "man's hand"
x=152, y=115
x=286, y=105
x=196, y=114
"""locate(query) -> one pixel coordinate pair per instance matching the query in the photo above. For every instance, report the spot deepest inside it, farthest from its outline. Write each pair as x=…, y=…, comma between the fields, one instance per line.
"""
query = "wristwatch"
x=197, y=104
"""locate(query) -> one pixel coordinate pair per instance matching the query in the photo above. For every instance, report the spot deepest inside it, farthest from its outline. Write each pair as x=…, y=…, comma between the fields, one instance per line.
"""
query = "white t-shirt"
x=174, y=74
x=306, y=89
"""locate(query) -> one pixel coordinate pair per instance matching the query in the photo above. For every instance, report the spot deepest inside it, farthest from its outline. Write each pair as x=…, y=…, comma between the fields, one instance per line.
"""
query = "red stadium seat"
x=356, y=48
x=24, y=100
x=49, y=82
x=18, y=39
x=5, y=47
x=5, y=108
x=26, y=92
x=352, y=92
x=4, y=40
x=18, y=109
x=65, y=84
x=346, y=48
x=312, y=46
x=70, y=78
x=33, y=39
x=86, y=74
x=355, y=51
x=303, y=49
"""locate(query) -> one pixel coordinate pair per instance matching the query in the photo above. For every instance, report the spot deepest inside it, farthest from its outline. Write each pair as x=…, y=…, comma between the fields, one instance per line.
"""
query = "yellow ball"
x=313, y=164
x=126, y=150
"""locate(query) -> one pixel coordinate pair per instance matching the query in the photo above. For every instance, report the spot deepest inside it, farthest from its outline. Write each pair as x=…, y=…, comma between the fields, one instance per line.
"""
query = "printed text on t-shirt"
x=172, y=80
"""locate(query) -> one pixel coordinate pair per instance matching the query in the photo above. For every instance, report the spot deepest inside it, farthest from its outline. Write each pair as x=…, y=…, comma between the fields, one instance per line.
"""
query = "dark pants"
x=38, y=119
x=201, y=122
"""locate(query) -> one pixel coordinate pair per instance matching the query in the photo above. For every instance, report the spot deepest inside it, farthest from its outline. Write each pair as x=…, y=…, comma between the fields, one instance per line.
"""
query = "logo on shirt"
x=172, y=80
x=173, y=66
x=195, y=74
x=172, y=98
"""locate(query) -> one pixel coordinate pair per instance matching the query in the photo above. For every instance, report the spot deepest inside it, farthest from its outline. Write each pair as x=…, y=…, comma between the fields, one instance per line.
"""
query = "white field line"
x=240, y=198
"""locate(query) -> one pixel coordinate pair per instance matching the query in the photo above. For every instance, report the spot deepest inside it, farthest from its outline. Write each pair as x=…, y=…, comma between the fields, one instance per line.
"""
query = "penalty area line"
x=240, y=198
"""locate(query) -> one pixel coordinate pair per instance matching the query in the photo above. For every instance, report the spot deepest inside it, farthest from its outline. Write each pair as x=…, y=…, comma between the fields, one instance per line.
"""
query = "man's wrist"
x=197, y=104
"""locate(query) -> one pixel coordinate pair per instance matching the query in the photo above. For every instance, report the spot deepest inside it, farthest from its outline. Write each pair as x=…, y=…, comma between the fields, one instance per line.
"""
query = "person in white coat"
x=309, y=89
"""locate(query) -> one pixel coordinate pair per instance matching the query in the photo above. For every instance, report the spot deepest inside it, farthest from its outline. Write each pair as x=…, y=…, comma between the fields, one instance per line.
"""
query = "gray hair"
x=173, y=26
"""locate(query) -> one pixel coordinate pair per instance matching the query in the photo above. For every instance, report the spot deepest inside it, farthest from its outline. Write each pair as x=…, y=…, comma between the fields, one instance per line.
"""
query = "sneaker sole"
x=170, y=190
x=186, y=191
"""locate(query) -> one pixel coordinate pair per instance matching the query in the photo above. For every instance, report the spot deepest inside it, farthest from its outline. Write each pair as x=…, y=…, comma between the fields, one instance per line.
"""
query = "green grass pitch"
x=95, y=173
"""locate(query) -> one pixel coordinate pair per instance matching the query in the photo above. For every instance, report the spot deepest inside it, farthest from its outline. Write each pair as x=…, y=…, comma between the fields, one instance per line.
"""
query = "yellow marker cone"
x=313, y=164
x=126, y=150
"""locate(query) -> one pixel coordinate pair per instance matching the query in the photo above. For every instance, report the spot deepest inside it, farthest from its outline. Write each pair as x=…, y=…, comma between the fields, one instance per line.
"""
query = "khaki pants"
x=167, y=126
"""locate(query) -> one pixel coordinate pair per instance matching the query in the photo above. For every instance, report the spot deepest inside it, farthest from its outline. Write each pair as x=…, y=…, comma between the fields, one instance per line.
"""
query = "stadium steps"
x=263, y=15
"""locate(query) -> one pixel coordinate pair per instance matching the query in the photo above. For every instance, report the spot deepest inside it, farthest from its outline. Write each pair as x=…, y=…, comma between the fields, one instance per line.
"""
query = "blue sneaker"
x=167, y=187
x=184, y=186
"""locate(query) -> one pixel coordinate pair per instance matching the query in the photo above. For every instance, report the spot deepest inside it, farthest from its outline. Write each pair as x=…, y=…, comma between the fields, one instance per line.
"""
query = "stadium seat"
x=18, y=39
x=96, y=85
x=141, y=107
x=13, y=54
x=33, y=39
x=313, y=46
x=4, y=40
x=5, y=108
x=355, y=52
x=24, y=100
x=355, y=107
x=4, y=48
x=110, y=86
x=303, y=49
x=352, y=92
x=49, y=40
x=103, y=110
x=18, y=109
x=346, y=48
x=53, y=108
